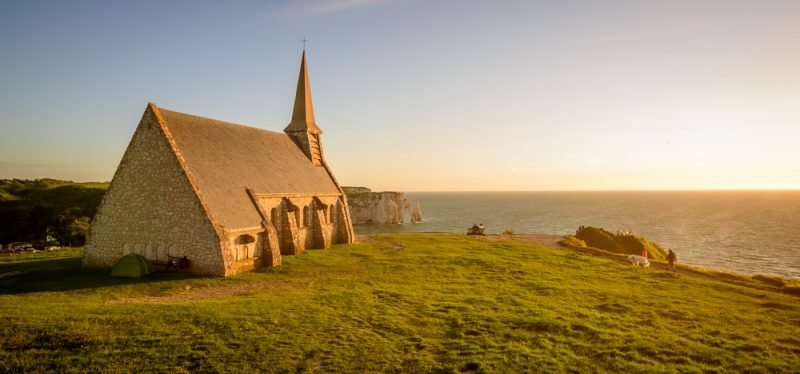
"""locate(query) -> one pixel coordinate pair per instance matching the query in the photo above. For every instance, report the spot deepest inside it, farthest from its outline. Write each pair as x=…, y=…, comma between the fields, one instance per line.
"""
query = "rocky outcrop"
x=367, y=207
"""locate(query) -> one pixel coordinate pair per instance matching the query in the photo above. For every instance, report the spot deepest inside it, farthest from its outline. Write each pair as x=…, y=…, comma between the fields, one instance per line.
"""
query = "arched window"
x=149, y=252
x=306, y=216
x=161, y=252
x=275, y=217
x=245, y=239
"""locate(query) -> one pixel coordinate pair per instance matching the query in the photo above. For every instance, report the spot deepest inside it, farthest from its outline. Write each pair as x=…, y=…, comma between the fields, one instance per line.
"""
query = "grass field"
x=395, y=303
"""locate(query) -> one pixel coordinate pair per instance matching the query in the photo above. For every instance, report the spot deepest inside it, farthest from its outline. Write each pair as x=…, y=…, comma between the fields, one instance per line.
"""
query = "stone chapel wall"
x=152, y=209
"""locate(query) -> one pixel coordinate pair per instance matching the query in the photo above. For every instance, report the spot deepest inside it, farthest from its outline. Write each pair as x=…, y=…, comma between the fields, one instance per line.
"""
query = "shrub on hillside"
x=571, y=241
x=770, y=280
x=599, y=238
x=625, y=243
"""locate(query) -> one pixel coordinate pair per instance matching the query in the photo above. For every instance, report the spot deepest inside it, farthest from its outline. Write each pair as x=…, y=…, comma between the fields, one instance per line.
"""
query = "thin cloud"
x=322, y=7
x=331, y=6
x=314, y=8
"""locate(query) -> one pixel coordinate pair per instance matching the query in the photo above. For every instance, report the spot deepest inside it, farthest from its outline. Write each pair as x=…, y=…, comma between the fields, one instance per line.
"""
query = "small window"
x=245, y=239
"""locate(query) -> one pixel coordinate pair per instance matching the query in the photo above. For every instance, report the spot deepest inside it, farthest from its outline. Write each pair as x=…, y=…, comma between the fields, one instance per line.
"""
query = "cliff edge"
x=388, y=207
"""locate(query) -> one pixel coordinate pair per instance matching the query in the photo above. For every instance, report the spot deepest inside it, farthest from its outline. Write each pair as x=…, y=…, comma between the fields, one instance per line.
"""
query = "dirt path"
x=10, y=274
x=541, y=239
x=189, y=293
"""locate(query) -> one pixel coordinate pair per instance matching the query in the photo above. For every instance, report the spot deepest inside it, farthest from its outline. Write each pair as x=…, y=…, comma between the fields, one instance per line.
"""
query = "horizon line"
x=517, y=190
x=623, y=190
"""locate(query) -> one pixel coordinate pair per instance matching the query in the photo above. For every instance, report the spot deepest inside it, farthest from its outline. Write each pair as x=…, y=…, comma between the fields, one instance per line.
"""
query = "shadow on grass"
x=66, y=274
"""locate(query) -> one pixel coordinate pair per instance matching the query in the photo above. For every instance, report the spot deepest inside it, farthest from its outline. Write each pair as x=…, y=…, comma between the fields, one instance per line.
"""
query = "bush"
x=772, y=281
x=599, y=238
x=625, y=243
x=571, y=241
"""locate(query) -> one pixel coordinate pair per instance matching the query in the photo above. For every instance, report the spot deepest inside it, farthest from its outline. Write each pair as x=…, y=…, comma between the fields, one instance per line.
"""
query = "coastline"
x=772, y=283
x=743, y=232
x=763, y=282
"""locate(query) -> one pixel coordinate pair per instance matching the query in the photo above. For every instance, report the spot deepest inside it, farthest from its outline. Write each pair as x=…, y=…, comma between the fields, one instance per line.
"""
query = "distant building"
x=230, y=198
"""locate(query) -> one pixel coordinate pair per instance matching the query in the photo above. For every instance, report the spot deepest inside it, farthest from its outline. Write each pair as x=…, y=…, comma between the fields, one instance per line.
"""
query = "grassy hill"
x=625, y=243
x=394, y=303
x=29, y=209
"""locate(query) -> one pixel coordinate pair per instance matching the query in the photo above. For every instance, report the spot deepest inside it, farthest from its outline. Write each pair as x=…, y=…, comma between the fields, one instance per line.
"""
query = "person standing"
x=671, y=260
x=644, y=252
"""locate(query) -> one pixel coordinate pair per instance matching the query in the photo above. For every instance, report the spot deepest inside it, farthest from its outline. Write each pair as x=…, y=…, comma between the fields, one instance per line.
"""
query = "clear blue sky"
x=423, y=95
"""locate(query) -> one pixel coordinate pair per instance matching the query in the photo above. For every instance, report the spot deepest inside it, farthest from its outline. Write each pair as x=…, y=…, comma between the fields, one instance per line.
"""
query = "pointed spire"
x=303, y=115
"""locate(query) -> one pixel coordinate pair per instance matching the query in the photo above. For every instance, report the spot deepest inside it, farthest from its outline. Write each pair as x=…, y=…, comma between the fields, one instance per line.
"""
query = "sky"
x=423, y=95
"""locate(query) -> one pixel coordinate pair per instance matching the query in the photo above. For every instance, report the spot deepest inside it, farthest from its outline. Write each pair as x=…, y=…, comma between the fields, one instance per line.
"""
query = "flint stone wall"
x=152, y=209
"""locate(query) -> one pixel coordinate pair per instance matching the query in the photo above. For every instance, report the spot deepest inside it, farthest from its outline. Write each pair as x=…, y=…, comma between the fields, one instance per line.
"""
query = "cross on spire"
x=304, y=41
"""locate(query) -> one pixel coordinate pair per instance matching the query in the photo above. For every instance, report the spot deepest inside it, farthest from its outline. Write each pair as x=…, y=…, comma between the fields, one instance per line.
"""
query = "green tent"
x=132, y=266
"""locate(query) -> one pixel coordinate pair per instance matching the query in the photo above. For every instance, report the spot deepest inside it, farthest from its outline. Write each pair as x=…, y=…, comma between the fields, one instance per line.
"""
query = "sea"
x=750, y=232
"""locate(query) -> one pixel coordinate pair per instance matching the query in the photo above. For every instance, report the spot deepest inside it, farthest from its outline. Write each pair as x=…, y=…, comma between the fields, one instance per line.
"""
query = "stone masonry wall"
x=303, y=222
x=151, y=209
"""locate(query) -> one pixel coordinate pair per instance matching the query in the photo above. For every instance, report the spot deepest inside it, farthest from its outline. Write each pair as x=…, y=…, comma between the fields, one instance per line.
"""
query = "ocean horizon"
x=621, y=190
x=745, y=231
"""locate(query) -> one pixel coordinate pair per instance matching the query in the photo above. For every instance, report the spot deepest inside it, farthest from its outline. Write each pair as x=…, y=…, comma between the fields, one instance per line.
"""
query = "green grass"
x=399, y=303
x=19, y=259
x=787, y=286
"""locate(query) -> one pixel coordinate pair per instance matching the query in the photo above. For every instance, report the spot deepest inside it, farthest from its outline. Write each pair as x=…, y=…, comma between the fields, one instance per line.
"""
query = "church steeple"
x=303, y=129
x=303, y=115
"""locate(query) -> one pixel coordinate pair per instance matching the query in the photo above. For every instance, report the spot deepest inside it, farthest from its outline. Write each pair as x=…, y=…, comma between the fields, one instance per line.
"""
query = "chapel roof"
x=225, y=158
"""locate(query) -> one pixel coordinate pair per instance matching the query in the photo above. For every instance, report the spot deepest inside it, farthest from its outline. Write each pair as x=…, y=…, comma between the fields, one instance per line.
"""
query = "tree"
x=79, y=229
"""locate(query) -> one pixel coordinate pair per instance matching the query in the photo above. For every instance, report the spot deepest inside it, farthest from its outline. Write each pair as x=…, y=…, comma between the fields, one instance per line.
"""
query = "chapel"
x=229, y=198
